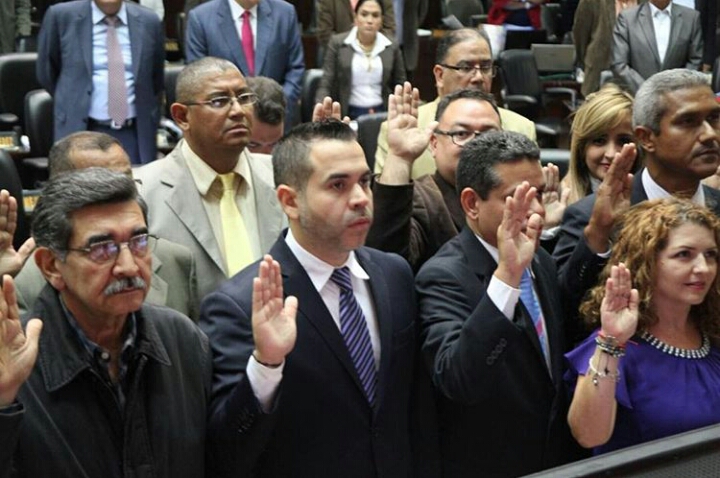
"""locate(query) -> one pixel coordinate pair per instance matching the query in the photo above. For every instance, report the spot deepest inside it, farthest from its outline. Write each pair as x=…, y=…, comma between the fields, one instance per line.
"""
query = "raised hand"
x=18, y=350
x=11, y=261
x=328, y=109
x=612, y=199
x=554, y=197
x=273, y=320
x=405, y=139
x=619, y=308
x=517, y=235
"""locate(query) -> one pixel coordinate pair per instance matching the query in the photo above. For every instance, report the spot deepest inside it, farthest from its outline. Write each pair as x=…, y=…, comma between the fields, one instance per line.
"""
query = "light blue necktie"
x=527, y=296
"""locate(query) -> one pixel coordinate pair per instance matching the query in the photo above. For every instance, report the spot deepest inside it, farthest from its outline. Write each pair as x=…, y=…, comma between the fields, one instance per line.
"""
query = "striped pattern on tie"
x=527, y=296
x=355, y=333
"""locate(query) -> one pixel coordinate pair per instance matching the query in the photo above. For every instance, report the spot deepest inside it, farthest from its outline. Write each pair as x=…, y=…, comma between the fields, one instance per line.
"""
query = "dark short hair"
x=190, y=80
x=291, y=156
x=478, y=158
x=59, y=156
x=379, y=2
x=464, y=94
x=271, y=103
x=72, y=191
x=453, y=37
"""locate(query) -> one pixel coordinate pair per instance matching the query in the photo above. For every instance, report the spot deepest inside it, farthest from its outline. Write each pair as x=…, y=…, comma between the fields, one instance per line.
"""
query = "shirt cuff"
x=11, y=409
x=264, y=382
x=548, y=234
x=503, y=296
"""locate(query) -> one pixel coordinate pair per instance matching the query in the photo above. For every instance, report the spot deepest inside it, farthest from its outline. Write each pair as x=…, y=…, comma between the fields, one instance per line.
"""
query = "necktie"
x=238, y=253
x=117, y=91
x=355, y=333
x=527, y=296
x=248, y=43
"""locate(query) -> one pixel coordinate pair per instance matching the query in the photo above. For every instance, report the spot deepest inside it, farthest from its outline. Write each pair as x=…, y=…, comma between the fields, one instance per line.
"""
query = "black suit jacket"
x=323, y=424
x=578, y=266
x=500, y=411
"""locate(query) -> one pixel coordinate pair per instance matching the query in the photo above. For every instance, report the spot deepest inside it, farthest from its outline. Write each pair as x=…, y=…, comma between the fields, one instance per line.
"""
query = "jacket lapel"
x=136, y=28
x=266, y=203
x=226, y=25
x=264, y=36
x=675, y=29
x=84, y=26
x=157, y=293
x=646, y=26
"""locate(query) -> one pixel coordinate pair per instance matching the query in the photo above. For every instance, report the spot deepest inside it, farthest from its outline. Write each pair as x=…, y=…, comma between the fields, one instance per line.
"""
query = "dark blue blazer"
x=65, y=66
x=323, y=424
x=278, y=47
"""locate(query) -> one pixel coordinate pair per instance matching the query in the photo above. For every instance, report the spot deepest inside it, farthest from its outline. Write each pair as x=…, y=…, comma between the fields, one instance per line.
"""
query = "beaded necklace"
x=695, y=354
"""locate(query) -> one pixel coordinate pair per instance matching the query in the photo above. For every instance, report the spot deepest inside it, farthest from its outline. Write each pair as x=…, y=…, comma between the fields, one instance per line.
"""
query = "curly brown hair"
x=644, y=231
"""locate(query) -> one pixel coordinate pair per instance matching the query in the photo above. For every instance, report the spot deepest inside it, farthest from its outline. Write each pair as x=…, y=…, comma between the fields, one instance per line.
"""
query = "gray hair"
x=191, y=79
x=271, y=103
x=650, y=102
x=453, y=37
x=478, y=158
x=69, y=192
x=59, y=156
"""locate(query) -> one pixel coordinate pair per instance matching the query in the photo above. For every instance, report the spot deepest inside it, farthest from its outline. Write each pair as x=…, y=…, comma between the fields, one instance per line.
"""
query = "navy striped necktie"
x=355, y=333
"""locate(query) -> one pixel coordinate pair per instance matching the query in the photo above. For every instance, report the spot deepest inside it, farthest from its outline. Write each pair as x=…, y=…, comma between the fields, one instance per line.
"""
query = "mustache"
x=124, y=285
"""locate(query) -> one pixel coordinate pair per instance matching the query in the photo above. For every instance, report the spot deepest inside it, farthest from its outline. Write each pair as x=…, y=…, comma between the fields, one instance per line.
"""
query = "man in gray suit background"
x=185, y=191
x=103, y=63
x=652, y=37
x=173, y=281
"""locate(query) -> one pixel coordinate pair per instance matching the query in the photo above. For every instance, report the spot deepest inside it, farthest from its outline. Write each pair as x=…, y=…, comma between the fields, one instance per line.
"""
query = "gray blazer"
x=635, y=55
x=176, y=212
x=337, y=81
x=173, y=283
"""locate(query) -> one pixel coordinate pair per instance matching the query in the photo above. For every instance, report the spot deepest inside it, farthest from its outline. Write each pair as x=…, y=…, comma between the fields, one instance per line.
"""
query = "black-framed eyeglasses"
x=106, y=251
x=486, y=69
x=223, y=102
x=460, y=137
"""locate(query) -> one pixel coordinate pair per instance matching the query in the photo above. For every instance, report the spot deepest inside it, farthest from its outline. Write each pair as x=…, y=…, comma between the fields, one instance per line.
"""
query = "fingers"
x=552, y=177
x=291, y=307
x=327, y=109
x=564, y=196
x=26, y=249
x=622, y=164
x=10, y=309
x=32, y=334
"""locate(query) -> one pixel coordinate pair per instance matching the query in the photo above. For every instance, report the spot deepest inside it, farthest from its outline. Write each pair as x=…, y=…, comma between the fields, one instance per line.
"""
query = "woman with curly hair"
x=652, y=368
x=602, y=125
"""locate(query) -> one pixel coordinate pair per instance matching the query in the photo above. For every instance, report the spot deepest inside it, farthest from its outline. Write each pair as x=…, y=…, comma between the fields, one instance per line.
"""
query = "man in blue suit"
x=216, y=29
x=75, y=64
x=344, y=405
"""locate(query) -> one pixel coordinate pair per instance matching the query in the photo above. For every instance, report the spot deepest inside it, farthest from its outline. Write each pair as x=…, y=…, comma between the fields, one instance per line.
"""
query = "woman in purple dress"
x=652, y=368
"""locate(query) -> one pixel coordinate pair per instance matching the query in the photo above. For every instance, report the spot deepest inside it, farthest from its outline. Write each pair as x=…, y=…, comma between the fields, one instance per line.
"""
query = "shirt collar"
x=656, y=11
x=98, y=16
x=318, y=270
x=655, y=191
x=204, y=176
x=381, y=42
x=236, y=10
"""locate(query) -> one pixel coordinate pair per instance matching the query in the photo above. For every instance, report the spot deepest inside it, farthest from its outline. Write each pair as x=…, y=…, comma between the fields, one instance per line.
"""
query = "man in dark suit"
x=102, y=81
x=491, y=320
x=173, y=281
x=676, y=121
x=655, y=36
x=343, y=405
x=216, y=28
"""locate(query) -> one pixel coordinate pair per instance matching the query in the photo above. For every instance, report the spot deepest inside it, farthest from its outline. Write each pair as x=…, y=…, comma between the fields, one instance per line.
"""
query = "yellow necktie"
x=238, y=252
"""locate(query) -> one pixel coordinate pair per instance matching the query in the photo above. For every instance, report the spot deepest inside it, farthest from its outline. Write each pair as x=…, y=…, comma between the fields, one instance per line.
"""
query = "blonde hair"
x=644, y=233
x=602, y=112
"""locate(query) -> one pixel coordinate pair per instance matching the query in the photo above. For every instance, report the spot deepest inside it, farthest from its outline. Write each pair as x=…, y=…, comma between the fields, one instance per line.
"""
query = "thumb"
x=32, y=331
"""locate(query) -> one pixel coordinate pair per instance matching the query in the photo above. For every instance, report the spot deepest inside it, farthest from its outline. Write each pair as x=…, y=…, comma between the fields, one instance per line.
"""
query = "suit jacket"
x=337, y=16
x=416, y=219
x=278, y=50
x=324, y=425
x=173, y=283
x=501, y=412
x=65, y=67
x=14, y=23
x=592, y=34
x=635, y=55
x=578, y=266
x=414, y=12
x=176, y=212
x=708, y=10
x=425, y=164
x=337, y=79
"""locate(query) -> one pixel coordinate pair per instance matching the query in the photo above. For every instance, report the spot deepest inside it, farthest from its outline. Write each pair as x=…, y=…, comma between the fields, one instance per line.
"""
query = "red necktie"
x=248, y=43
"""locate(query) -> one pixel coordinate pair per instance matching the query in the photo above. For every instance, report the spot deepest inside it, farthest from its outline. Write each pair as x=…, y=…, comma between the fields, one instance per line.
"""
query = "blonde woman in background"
x=600, y=128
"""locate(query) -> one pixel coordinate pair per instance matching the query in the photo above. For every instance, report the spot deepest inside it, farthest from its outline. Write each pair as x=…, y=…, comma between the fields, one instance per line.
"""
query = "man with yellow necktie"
x=210, y=194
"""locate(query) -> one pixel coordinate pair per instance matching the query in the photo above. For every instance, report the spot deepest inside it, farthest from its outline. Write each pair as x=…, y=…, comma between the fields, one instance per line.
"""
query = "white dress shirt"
x=655, y=191
x=661, y=24
x=237, y=12
x=366, y=90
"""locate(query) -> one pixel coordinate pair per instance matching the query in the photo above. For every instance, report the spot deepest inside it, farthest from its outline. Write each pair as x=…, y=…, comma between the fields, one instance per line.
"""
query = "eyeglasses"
x=460, y=137
x=486, y=69
x=223, y=102
x=106, y=251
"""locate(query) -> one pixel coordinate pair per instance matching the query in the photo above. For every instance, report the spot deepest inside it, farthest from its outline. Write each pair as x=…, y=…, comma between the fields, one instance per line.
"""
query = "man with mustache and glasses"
x=210, y=194
x=112, y=387
x=676, y=121
x=343, y=407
